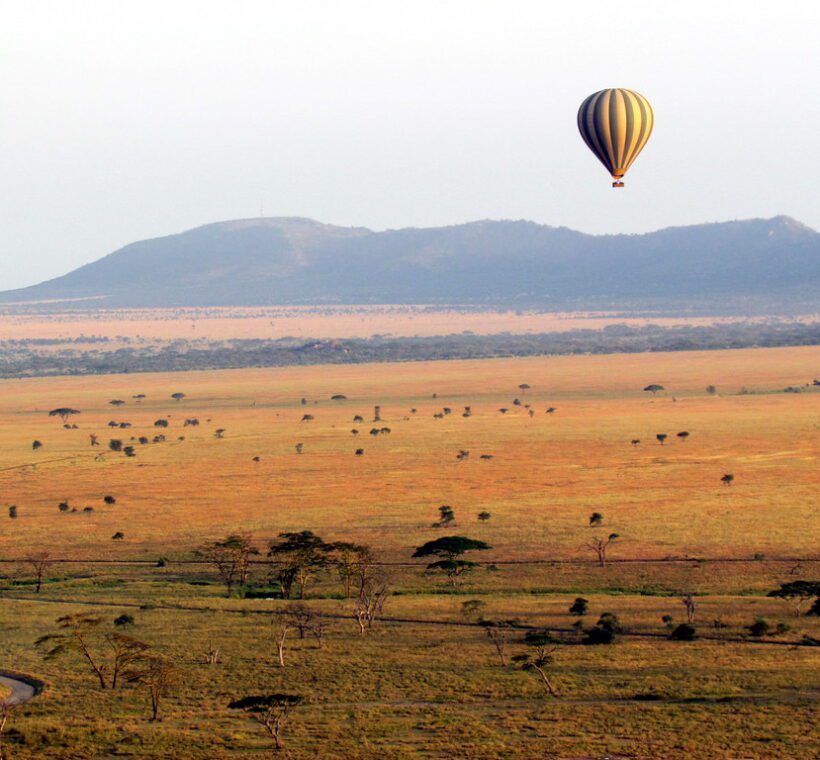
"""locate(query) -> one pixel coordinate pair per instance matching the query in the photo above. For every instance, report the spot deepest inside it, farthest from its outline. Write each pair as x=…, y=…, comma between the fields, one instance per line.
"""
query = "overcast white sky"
x=124, y=120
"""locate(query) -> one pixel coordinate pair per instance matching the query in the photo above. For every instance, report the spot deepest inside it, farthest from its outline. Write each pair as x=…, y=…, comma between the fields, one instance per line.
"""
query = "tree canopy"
x=450, y=547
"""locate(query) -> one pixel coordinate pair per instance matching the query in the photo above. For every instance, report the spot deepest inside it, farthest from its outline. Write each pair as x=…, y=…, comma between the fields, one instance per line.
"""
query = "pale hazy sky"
x=124, y=120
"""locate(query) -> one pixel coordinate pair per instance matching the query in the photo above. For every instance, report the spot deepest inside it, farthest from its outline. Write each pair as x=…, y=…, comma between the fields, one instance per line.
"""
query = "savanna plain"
x=613, y=599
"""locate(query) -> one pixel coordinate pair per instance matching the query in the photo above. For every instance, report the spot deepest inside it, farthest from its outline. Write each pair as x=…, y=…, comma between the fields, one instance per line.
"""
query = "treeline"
x=22, y=359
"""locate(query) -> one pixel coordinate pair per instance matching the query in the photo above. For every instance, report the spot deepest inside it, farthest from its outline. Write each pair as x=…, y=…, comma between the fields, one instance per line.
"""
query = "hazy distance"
x=130, y=120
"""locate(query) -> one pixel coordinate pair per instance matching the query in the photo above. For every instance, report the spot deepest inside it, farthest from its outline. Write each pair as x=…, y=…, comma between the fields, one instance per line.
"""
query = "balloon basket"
x=617, y=184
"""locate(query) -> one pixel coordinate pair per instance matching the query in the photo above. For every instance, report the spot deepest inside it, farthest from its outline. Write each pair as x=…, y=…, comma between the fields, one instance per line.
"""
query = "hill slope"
x=292, y=260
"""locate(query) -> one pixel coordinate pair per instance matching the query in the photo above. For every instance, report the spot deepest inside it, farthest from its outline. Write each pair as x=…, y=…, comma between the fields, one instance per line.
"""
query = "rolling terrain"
x=274, y=452
x=757, y=265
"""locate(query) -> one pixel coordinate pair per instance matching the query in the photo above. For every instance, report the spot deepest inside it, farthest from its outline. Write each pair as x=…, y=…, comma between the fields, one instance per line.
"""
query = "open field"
x=548, y=471
x=427, y=681
x=271, y=323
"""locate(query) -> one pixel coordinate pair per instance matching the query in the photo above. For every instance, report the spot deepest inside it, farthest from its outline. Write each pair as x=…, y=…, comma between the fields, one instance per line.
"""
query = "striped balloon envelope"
x=615, y=125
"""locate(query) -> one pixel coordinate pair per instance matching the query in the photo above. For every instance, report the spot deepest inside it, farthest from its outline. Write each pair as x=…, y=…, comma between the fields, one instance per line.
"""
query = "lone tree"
x=300, y=616
x=40, y=562
x=446, y=517
x=500, y=633
x=653, y=388
x=111, y=656
x=683, y=435
x=63, y=412
x=600, y=546
x=298, y=557
x=370, y=603
x=231, y=557
x=451, y=549
x=661, y=438
x=542, y=645
x=595, y=519
x=797, y=594
x=269, y=711
x=177, y=396
x=354, y=564
x=484, y=516
x=116, y=402
x=727, y=479
x=158, y=675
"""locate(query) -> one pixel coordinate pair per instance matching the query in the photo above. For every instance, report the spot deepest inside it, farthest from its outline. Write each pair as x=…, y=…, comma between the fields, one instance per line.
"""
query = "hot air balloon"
x=615, y=125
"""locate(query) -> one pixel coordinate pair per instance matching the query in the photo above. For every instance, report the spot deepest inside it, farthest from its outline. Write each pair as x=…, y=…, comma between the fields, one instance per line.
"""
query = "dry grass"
x=223, y=323
x=548, y=473
x=414, y=689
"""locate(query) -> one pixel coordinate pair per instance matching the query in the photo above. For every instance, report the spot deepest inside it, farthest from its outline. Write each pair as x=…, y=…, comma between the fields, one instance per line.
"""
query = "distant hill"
x=300, y=261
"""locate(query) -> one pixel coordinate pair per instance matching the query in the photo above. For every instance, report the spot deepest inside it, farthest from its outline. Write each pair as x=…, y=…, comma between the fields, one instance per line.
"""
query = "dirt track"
x=23, y=688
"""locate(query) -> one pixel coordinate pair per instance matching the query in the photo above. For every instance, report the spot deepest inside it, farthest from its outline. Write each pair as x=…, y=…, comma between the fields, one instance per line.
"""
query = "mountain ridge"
x=297, y=260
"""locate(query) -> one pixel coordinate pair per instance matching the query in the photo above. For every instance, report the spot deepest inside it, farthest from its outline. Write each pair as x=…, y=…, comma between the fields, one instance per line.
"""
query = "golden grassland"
x=548, y=471
x=223, y=323
x=422, y=684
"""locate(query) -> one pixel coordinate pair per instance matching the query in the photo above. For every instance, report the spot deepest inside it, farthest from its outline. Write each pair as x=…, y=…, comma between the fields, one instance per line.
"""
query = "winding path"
x=23, y=688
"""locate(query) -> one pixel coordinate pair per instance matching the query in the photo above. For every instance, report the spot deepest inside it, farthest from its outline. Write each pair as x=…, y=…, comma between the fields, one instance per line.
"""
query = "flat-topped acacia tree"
x=63, y=412
x=451, y=549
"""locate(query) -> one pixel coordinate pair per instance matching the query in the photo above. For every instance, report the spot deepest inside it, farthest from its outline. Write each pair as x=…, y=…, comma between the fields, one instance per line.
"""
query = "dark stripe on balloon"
x=629, y=105
x=601, y=134
x=595, y=145
x=615, y=131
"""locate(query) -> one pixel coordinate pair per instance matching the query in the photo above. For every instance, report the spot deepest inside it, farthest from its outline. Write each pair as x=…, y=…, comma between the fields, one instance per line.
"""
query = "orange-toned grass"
x=222, y=323
x=549, y=472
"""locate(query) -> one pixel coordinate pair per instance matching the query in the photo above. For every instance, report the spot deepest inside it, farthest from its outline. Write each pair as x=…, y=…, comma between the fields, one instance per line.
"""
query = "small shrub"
x=124, y=620
x=684, y=632
x=760, y=627
x=604, y=631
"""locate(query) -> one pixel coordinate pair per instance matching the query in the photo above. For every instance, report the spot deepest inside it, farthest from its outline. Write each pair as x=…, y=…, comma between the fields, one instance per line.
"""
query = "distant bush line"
x=21, y=358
